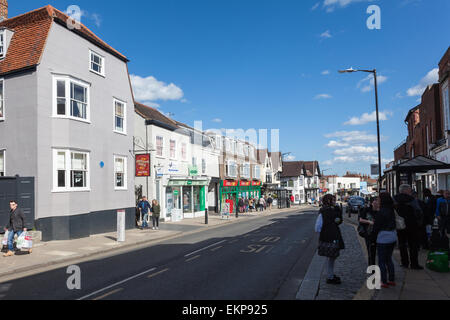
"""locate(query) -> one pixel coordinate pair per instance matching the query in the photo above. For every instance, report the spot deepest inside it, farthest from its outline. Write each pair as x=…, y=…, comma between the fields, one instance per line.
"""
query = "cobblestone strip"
x=351, y=267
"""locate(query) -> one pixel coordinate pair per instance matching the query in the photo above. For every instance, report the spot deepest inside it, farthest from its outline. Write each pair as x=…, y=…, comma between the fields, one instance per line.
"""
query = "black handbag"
x=329, y=249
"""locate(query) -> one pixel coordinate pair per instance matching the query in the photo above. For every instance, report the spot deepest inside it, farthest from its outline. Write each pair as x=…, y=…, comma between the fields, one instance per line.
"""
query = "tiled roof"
x=30, y=35
x=310, y=167
x=150, y=113
x=292, y=169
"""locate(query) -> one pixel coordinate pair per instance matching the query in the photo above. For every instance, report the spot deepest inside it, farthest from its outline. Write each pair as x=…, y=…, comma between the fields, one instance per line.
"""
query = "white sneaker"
x=153, y=228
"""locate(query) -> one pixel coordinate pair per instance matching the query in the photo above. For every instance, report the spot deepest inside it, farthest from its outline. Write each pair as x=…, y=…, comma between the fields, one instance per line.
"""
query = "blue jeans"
x=144, y=221
x=11, y=235
x=385, y=263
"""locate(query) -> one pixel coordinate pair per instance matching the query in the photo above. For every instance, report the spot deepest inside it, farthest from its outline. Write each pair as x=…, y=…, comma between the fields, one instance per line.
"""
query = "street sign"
x=374, y=170
x=143, y=165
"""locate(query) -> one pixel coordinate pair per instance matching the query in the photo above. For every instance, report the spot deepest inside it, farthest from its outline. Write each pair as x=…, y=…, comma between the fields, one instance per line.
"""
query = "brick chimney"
x=3, y=10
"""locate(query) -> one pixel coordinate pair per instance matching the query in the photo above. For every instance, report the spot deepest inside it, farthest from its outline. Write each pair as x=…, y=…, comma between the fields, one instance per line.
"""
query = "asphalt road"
x=255, y=259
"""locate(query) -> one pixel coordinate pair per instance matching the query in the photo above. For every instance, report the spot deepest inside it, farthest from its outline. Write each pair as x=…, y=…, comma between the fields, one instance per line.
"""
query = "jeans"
x=385, y=262
x=330, y=268
x=11, y=235
x=155, y=221
x=144, y=221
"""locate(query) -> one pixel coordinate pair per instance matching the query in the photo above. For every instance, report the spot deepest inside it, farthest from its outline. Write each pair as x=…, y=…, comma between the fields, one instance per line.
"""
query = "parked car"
x=355, y=204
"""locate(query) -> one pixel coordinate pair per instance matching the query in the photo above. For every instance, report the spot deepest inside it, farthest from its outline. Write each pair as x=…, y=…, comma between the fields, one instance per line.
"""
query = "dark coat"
x=16, y=221
x=409, y=209
x=384, y=221
x=156, y=211
x=330, y=228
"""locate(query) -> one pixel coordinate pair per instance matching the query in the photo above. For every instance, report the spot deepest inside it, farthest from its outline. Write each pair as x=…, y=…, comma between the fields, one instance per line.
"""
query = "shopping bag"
x=28, y=242
x=438, y=261
x=20, y=241
x=5, y=238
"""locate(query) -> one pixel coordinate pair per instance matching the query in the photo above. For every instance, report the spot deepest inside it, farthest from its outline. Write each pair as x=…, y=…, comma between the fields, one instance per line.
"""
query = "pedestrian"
x=15, y=226
x=270, y=201
x=429, y=214
x=291, y=199
x=250, y=204
x=241, y=205
x=408, y=239
x=246, y=203
x=144, y=208
x=443, y=216
x=384, y=231
x=367, y=218
x=422, y=232
x=330, y=241
x=262, y=204
x=156, y=211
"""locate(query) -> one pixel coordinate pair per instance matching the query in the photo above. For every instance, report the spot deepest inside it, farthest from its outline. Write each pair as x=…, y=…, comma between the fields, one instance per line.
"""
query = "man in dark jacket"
x=16, y=225
x=408, y=239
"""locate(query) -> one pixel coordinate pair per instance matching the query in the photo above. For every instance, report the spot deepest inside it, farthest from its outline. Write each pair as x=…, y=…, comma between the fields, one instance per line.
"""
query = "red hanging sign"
x=143, y=165
x=230, y=183
x=244, y=183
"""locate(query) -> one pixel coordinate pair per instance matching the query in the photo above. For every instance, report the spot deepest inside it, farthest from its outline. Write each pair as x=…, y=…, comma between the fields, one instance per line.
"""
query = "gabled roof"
x=153, y=115
x=293, y=169
x=31, y=31
x=311, y=167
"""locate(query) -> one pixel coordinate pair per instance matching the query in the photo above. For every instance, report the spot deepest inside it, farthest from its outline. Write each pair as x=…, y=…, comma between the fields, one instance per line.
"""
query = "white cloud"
x=323, y=96
x=315, y=6
x=326, y=34
x=326, y=72
x=431, y=78
x=337, y=144
x=217, y=120
x=353, y=137
x=368, y=83
x=290, y=158
x=150, y=89
x=331, y=5
x=366, y=118
x=356, y=150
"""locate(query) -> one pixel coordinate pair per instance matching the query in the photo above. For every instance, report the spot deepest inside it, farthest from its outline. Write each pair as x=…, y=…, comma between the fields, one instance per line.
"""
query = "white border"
x=68, y=151
x=125, y=173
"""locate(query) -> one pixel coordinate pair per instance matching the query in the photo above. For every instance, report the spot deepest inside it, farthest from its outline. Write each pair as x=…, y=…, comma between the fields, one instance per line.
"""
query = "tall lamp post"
x=374, y=72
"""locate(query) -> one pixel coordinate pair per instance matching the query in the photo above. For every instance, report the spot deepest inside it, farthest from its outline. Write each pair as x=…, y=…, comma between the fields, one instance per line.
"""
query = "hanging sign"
x=230, y=183
x=244, y=183
x=143, y=165
x=256, y=183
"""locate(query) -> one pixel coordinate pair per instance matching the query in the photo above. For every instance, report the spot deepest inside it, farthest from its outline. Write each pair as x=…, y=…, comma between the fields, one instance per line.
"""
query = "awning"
x=419, y=164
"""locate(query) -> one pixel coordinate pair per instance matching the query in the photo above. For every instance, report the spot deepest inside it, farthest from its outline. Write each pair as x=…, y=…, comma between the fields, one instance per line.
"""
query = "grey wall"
x=67, y=53
x=18, y=133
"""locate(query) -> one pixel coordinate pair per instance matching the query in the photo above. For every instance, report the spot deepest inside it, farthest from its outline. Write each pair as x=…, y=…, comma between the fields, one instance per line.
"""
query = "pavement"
x=56, y=253
x=411, y=284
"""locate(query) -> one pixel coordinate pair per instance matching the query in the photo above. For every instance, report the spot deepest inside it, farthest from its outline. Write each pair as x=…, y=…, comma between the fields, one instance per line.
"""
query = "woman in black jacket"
x=385, y=235
x=330, y=235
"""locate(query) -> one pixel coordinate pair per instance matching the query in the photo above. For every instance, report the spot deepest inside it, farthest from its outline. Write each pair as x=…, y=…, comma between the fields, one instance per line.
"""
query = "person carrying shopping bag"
x=330, y=241
x=16, y=225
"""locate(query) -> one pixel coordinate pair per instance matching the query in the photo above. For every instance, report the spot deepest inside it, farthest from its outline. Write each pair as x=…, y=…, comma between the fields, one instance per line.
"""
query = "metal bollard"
x=206, y=216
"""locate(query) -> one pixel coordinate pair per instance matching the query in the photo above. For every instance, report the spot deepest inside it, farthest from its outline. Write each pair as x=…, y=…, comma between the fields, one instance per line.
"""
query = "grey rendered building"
x=66, y=119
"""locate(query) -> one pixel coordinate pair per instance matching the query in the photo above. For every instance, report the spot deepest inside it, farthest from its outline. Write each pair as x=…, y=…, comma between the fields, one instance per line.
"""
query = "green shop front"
x=231, y=190
x=186, y=198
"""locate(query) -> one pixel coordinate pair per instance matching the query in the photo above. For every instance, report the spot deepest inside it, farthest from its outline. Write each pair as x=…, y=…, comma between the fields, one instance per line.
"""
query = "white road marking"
x=116, y=284
x=215, y=244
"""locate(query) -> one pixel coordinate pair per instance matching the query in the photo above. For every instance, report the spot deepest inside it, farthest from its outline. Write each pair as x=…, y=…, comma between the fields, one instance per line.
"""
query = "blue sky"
x=243, y=64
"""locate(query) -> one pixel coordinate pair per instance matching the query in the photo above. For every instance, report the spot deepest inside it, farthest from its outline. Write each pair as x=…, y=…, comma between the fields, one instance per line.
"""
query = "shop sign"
x=256, y=183
x=176, y=192
x=179, y=183
x=230, y=183
x=172, y=168
x=143, y=165
x=244, y=183
x=193, y=171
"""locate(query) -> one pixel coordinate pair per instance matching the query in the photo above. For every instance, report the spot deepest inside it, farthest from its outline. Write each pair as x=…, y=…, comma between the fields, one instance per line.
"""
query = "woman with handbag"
x=330, y=241
x=385, y=233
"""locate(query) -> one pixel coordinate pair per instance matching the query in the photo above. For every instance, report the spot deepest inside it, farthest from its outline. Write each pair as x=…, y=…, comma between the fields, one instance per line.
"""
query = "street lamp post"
x=374, y=72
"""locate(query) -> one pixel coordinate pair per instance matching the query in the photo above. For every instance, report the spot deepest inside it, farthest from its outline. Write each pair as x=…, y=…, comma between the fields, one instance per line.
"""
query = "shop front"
x=186, y=199
x=231, y=190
